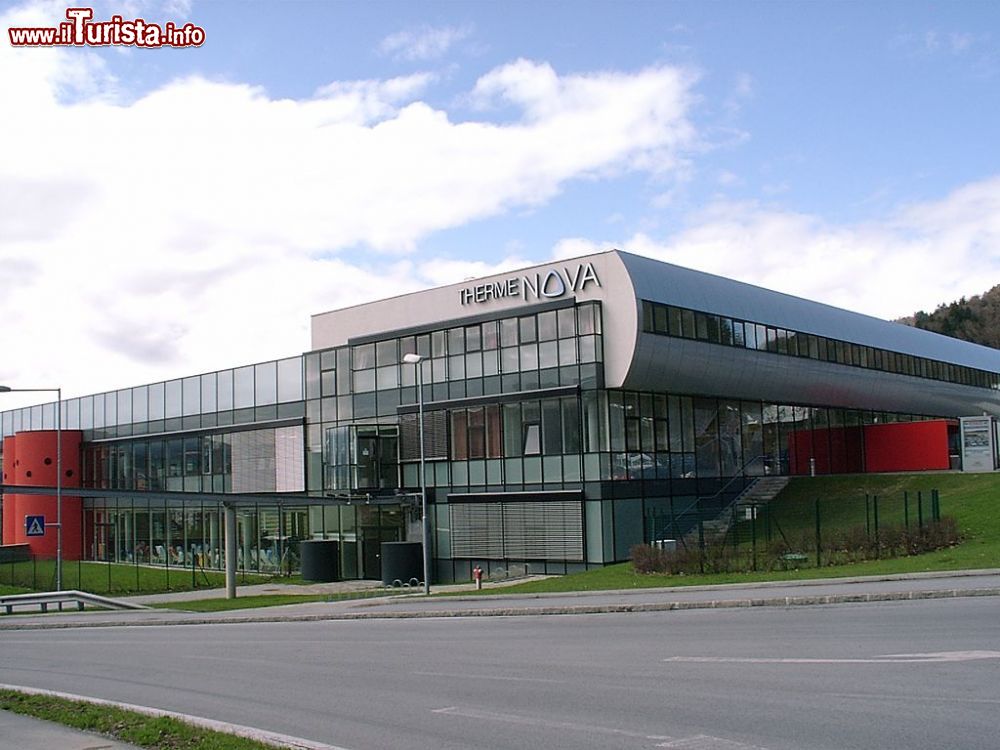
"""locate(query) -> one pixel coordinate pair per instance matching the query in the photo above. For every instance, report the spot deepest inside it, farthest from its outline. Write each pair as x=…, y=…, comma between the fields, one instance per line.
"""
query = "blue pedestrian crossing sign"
x=34, y=525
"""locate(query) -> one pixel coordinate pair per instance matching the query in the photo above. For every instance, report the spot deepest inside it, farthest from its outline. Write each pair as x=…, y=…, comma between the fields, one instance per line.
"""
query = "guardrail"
x=80, y=598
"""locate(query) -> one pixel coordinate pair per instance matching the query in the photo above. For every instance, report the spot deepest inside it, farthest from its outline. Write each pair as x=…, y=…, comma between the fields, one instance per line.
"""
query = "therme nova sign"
x=543, y=285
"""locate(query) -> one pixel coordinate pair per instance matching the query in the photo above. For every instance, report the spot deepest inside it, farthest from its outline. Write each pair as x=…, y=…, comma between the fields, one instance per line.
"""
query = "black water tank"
x=402, y=561
x=320, y=560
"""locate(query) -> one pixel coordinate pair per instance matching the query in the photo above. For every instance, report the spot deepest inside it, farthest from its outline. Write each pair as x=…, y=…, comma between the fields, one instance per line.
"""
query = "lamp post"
x=415, y=360
x=59, y=474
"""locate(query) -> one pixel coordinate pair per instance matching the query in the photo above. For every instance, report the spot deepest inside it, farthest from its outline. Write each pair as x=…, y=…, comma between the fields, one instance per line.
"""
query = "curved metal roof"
x=663, y=282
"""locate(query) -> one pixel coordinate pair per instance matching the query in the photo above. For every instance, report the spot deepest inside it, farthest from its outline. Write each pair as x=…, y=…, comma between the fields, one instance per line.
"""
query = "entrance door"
x=377, y=525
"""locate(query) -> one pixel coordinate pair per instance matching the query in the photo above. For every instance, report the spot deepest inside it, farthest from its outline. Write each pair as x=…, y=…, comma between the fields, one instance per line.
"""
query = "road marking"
x=707, y=742
x=467, y=676
x=695, y=742
x=534, y=721
x=914, y=698
x=936, y=657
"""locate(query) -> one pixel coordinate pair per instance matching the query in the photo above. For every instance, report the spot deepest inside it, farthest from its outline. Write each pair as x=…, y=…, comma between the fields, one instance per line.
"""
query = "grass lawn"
x=272, y=600
x=972, y=499
x=156, y=733
x=116, y=579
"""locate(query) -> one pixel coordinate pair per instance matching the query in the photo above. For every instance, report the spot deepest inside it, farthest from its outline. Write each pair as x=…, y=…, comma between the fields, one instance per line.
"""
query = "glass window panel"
x=528, y=329
x=493, y=432
x=674, y=325
x=439, y=370
x=491, y=362
x=511, y=430
x=125, y=406
x=477, y=432
x=567, y=352
x=659, y=322
x=172, y=398
x=725, y=331
x=780, y=341
x=459, y=435
x=364, y=381
x=289, y=379
x=208, y=392
x=739, y=339
x=761, y=337
x=363, y=356
x=509, y=359
x=110, y=411
x=552, y=435
x=570, y=425
x=687, y=324
x=439, y=344
x=266, y=383
x=456, y=367
x=156, y=410
x=387, y=377
x=508, y=332
x=386, y=353
x=242, y=387
x=473, y=365
x=175, y=457
x=424, y=345
x=547, y=329
x=191, y=395
x=473, y=338
x=567, y=322
x=712, y=329
x=529, y=356
x=548, y=354
x=588, y=348
x=585, y=319
x=456, y=341
x=491, y=335
x=225, y=390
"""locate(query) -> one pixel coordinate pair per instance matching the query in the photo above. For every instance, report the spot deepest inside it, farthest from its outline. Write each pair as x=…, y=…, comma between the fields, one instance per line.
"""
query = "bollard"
x=477, y=576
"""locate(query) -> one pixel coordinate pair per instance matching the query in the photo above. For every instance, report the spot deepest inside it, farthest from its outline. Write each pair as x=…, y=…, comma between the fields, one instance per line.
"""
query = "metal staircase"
x=755, y=495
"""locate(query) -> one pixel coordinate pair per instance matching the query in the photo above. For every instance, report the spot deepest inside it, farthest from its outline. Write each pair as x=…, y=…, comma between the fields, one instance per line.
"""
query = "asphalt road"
x=921, y=674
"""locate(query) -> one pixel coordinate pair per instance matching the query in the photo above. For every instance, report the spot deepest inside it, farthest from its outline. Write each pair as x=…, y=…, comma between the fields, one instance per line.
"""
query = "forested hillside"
x=975, y=319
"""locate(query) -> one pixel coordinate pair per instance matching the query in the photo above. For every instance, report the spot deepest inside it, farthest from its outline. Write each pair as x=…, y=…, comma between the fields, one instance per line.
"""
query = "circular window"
x=69, y=472
x=27, y=473
x=48, y=461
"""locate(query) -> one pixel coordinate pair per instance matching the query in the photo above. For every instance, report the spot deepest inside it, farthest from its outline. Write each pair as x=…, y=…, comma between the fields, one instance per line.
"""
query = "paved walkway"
x=29, y=733
x=380, y=605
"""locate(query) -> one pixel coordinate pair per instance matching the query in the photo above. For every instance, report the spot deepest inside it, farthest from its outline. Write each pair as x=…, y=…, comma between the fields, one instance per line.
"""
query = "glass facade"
x=668, y=320
x=530, y=460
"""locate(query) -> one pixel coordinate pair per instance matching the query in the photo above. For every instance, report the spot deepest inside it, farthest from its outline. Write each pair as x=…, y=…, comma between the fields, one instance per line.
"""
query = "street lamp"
x=415, y=360
x=59, y=477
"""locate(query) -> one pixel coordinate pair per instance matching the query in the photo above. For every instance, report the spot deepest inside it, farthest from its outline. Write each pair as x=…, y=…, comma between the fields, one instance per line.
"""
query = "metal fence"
x=747, y=536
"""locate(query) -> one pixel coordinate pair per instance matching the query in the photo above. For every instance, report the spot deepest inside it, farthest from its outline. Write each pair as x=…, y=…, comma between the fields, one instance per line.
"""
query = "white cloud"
x=918, y=257
x=423, y=43
x=198, y=225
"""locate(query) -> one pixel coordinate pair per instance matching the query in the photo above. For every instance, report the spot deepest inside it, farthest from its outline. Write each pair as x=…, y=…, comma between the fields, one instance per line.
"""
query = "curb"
x=238, y=730
x=580, y=609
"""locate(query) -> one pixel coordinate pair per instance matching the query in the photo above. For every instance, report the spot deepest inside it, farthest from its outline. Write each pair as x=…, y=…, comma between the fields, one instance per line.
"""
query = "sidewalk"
x=814, y=592
x=29, y=733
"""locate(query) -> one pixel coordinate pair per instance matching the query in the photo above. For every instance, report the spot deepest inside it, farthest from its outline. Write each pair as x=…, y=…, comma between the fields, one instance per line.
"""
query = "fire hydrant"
x=477, y=576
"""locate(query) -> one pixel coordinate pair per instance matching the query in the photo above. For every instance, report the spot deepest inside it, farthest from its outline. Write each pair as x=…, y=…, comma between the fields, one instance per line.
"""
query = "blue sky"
x=190, y=208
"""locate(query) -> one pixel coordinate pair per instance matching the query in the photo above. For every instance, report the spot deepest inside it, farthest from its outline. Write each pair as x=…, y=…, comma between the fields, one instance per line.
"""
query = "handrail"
x=739, y=475
x=81, y=598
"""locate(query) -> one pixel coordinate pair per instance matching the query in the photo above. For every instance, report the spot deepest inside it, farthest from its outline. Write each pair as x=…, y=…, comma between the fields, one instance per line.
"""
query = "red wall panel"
x=35, y=464
x=9, y=500
x=907, y=446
